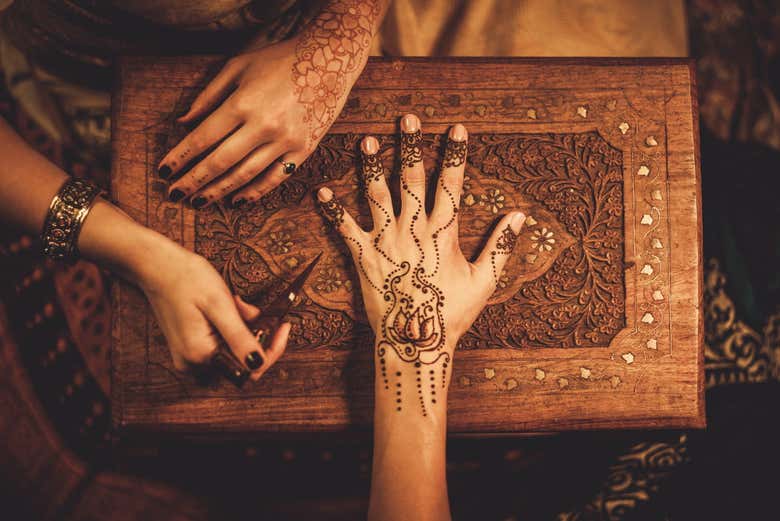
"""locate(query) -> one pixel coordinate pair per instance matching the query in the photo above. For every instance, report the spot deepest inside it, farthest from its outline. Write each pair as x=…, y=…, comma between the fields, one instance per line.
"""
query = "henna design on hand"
x=333, y=211
x=373, y=170
x=411, y=149
x=504, y=246
x=455, y=153
x=331, y=50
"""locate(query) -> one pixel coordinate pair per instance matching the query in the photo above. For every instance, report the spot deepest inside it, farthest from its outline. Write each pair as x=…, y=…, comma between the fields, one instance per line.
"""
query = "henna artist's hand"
x=420, y=292
x=271, y=106
x=195, y=308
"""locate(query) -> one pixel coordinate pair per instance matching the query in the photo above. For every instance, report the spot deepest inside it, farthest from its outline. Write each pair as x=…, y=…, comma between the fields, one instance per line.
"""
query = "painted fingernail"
x=262, y=336
x=199, y=202
x=369, y=145
x=458, y=133
x=176, y=195
x=324, y=194
x=517, y=222
x=164, y=172
x=253, y=360
x=238, y=203
x=410, y=123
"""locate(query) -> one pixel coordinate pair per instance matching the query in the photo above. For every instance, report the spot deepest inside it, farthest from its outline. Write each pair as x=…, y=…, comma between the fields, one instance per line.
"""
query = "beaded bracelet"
x=67, y=212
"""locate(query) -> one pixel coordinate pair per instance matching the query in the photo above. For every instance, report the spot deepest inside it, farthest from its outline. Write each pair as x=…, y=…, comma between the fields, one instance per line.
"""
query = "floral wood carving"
x=564, y=286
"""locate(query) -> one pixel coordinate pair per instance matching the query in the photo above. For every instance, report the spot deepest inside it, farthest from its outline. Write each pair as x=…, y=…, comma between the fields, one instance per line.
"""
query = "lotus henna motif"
x=414, y=328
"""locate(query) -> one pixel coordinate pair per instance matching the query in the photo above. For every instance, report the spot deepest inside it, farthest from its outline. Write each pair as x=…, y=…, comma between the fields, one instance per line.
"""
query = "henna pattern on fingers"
x=411, y=148
x=455, y=153
x=333, y=211
x=373, y=170
x=331, y=48
x=504, y=246
x=454, y=156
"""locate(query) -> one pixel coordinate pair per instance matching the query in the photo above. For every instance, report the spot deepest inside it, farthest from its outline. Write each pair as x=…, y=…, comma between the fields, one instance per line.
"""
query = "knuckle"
x=218, y=163
x=197, y=141
x=244, y=104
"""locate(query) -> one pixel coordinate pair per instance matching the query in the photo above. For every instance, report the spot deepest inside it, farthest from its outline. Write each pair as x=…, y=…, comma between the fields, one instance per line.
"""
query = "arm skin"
x=420, y=295
x=188, y=313
x=270, y=104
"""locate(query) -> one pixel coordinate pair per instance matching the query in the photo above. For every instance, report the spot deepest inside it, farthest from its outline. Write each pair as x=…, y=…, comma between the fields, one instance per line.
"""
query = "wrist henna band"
x=67, y=212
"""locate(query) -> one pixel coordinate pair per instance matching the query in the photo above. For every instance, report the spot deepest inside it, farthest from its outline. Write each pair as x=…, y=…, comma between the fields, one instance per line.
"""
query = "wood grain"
x=596, y=323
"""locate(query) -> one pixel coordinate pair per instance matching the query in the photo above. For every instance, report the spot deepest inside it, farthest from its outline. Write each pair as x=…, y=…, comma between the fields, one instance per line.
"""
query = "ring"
x=289, y=166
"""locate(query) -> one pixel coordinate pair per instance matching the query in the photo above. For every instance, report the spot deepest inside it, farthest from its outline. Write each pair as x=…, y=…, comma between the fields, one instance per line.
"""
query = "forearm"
x=28, y=182
x=409, y=468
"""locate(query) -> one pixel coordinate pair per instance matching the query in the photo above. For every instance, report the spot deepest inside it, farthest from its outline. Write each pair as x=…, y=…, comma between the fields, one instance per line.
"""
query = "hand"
x=420, y=292
x=195, y=308
x=284, y=98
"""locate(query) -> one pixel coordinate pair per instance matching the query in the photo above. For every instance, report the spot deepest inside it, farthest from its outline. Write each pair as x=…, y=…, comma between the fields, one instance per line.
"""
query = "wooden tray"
x=596, y=323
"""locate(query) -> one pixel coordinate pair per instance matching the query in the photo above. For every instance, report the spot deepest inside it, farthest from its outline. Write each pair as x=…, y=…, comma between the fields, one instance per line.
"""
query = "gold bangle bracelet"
x=67, y=212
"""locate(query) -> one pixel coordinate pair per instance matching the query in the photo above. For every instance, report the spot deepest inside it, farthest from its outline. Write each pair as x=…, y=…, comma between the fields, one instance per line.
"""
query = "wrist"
x=414, y=389
x=113, y=240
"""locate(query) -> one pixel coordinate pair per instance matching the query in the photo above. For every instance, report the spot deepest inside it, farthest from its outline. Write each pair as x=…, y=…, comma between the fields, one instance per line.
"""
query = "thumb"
x=246, y=310
x=498, y=249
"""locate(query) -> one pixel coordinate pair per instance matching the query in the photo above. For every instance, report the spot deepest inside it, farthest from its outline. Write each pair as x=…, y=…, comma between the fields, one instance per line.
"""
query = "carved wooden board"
x=595, y=323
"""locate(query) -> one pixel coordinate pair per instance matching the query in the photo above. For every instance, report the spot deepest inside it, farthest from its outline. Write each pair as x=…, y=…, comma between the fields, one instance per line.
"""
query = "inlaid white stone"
x=647, y=270
x=652, y=344
x=584, y=372
x=651, y=142
x=539, y=374
x=656, y=243
x=623, y=127
x=582, y=112
x=657, y=295
x=657, y=195
x=648, y=318
x=628, y=357
x=490, y=373
x=643, y=171
x=646, y=219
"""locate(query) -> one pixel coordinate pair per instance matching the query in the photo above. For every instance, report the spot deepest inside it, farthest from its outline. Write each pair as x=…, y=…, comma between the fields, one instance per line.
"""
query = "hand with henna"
x=266, y=110
x=421, y=294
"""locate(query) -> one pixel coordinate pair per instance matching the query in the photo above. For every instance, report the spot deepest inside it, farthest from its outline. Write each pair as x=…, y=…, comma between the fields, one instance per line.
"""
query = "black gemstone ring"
x=289, y=166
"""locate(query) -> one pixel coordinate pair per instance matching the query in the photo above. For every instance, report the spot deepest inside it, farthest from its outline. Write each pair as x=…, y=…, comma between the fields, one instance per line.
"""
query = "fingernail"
x=410, y=123
x=238, y=203
x=458, y=133
x=164, y=172
x=517, y=222
x=369, y=145
x=199, y=202
x=324, y=194
x=253, y=360
x=176, y=195
x=261, y=337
